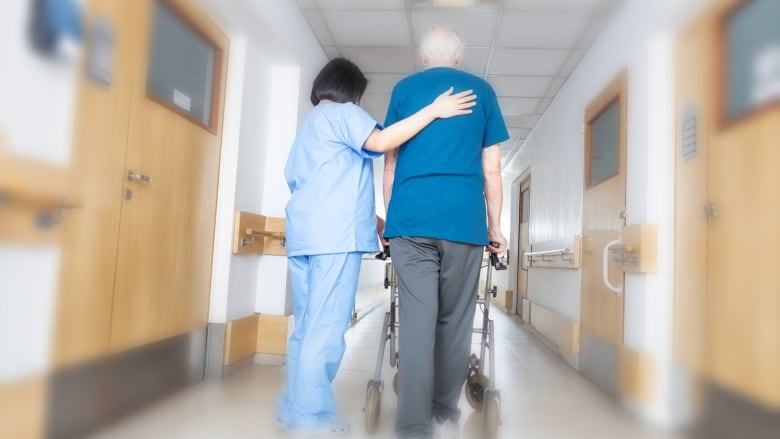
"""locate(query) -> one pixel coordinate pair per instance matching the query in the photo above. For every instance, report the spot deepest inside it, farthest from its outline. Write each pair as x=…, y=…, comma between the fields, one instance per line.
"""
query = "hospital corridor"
x=275, y=218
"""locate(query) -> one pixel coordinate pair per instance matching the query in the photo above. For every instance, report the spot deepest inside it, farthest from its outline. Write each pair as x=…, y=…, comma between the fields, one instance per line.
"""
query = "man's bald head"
x=441, y=47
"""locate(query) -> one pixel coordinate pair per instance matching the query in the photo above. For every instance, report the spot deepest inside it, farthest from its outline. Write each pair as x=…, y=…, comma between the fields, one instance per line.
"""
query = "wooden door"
x=695, y=57
x=173, y=147
x=744, y=252
x=90, y=232
x=728, y=241
x=743, y=348
x=523, y=243
x=603, y=217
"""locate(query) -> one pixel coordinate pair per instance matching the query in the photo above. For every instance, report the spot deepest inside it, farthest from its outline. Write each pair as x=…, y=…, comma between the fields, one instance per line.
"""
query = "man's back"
x=438, y=184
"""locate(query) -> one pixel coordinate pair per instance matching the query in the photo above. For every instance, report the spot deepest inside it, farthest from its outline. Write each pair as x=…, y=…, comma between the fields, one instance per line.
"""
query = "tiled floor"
x=541, y=396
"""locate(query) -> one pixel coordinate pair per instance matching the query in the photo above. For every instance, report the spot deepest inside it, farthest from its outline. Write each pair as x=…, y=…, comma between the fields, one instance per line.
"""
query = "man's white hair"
x=441, y=46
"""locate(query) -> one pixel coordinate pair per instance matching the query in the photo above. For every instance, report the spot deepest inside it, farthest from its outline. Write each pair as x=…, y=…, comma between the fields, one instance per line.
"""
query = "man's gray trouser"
x=437, y=283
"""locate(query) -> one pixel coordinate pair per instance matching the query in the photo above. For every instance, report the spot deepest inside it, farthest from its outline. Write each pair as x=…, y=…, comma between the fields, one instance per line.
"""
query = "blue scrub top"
x=331, y=178
x=438, y=189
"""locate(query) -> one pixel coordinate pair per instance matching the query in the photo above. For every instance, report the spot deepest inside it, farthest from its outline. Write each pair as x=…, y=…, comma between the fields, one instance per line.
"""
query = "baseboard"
x=256, y=334
x=727, y=415
x=83, y=398
x=272, y=333
x=240, y=339
x=564, y=334
x=637, y=376
x=23, y=408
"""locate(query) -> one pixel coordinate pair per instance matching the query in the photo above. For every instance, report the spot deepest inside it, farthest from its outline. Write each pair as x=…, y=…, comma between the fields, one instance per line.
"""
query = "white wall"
x=639, y=38
x=36, y=95
x=36, y=118
x=222, y=267
x=282, y=57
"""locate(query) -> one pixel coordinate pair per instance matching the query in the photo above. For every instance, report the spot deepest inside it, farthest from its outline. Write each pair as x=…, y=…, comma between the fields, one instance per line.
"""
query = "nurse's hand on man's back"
x=448, y=104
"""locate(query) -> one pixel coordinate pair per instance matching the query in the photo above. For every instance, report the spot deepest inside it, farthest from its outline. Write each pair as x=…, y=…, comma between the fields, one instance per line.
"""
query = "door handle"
x=135, y=176
x=605, y=269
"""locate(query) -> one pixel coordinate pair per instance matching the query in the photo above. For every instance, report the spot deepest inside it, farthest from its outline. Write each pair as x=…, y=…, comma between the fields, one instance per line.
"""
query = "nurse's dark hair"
x=339, y=81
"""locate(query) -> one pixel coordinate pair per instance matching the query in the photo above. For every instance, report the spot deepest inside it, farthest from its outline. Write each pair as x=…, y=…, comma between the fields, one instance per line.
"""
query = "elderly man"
x=437, y=188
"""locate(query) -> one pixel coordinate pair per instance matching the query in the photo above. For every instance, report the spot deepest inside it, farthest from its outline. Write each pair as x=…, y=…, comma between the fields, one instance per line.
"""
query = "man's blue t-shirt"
x=438, y=189
x=331, y=178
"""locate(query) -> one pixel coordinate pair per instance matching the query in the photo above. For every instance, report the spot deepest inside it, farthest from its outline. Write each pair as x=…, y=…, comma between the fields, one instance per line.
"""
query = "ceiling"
x=525, y=49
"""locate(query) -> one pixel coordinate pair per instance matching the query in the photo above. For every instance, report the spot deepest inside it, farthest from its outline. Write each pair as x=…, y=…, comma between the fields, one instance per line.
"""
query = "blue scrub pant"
x=323, y=292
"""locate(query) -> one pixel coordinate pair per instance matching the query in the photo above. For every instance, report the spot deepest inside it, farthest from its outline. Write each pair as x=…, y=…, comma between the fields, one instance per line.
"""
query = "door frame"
x=514, y=241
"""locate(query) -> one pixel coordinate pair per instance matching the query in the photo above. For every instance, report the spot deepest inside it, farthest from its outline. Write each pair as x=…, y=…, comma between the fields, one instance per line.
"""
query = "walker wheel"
x=492, y=414
x=373, y=404
x=395, y=383
x=475, y=391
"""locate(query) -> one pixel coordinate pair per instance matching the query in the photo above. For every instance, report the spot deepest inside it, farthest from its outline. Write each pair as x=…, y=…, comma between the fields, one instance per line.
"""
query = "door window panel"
x=604, y=145
x=753, y=57
x=182, y=66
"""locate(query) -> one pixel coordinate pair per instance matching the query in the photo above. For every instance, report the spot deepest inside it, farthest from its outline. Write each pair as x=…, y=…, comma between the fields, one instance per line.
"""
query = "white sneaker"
x=446, y=430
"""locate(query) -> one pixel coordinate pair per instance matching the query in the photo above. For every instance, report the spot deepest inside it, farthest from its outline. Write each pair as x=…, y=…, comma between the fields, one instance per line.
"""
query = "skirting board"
x=256, y=334
x=240, y=339
x=86, y=397
x=272, y=334
x=563, y=333
x=637, y=378
x=22, y=408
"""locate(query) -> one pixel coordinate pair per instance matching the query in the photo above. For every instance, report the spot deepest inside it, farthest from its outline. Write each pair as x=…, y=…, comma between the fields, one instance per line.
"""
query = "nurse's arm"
x=389, y=176
x=444, y=106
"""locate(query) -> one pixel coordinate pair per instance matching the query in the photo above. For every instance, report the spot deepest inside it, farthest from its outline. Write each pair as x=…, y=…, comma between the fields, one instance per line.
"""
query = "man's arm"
x=494, y=194
x=388, y=177
x=445, y=105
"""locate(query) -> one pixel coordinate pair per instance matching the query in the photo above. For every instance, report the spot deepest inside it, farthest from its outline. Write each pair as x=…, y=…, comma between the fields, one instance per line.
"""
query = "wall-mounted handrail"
x=558, y=252
x=254, y=232
x=258, y=234
x=561, y=255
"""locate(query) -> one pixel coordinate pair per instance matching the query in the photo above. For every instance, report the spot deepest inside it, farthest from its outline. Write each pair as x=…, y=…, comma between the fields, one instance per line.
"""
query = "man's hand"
x=499, y=239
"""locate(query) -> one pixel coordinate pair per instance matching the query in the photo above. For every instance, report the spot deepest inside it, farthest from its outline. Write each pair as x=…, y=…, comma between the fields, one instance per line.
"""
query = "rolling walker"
x=480, y=389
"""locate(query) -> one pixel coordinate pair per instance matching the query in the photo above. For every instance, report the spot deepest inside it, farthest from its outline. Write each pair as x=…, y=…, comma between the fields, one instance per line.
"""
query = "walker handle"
x=494, y=261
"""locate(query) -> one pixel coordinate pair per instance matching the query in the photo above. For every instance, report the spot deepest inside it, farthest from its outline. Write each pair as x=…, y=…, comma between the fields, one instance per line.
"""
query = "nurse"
x=330, y=222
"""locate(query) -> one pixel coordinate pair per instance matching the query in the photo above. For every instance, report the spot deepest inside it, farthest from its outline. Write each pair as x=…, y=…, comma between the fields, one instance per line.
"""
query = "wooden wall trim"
x=563, y=333
x=637, y=376
x=23, y=408
x=30, y=188
x=256, y=334
x=240, y=339
x=272, y=334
